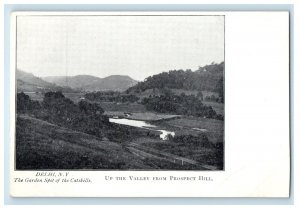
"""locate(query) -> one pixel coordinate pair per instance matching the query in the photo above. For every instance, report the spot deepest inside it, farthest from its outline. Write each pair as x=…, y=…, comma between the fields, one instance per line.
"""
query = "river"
x=142, y=124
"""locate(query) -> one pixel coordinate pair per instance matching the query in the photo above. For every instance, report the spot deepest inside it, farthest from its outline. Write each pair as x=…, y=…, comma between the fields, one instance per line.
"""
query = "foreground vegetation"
x=43, y=145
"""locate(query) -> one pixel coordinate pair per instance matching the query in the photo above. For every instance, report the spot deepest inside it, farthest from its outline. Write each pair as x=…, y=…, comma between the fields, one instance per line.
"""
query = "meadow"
x=43, y=145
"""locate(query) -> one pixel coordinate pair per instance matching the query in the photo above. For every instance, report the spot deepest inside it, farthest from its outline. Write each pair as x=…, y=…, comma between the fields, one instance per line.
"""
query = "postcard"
x=149, y=104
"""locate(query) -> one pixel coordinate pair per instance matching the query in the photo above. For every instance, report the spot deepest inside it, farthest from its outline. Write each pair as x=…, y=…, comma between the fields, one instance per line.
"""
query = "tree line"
x=57, y=109
x=180, y=105
x=111, y=96
x=207, y=78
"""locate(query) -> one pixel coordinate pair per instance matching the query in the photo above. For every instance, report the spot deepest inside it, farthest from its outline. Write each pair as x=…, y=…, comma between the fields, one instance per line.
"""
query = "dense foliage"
x=207, y=78
x=111, y=96
x=220, y=90
x=25, y=104
x=213, y=98
x=191, y=140
x=181, y=105
x=58, y=109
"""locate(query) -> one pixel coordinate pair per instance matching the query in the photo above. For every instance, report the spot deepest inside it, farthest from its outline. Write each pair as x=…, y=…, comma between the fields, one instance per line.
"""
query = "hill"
x=28, y=82
x=43, y=145
x=76, y=82
x=112, y=83
x=207, y=78
x=93, y=83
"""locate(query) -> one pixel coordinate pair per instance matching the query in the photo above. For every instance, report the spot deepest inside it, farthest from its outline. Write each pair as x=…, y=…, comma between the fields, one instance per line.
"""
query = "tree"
x=25, y=104
x=200, y=95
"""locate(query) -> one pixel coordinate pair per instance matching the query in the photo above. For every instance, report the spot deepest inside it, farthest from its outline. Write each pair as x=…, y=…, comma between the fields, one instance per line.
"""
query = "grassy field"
x=122, y=107
x=158, y=92
x=210, y=157
x=143, y=116
x=38, y=96
x=214, y=129
x=218, y=107
x=42, y=145
x=75, y=97
x=209, y=93
x=149, y=92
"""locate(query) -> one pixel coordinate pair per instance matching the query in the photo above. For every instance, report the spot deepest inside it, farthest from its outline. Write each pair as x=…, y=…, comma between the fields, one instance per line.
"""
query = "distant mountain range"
x=93, y=83
x=208, y=78
x=75, y=82
x=28, y=82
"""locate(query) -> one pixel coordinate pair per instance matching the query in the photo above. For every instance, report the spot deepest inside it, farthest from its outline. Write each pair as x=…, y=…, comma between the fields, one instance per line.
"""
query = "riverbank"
x=164, y=134
x=145, y=116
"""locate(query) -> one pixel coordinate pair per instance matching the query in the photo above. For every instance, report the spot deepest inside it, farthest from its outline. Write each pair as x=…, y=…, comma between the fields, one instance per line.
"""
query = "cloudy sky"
x=138, y=46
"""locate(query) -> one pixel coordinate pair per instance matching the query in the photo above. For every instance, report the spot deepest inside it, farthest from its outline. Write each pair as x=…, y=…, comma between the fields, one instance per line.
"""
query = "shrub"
x=179, y=104
x=191, y=140
x=26, y=105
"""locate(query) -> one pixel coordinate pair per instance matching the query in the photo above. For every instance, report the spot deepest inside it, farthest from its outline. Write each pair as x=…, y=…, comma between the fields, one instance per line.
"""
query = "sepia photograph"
x=120, y=92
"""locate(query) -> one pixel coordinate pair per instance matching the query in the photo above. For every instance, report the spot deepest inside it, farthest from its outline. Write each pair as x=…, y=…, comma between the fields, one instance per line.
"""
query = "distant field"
x=209, y=93
x=35, y=96
x=214, y=128
x=75, y=97
x=218, y=107
x=159, y=92
x=122, y=107
x=149, y=92
x=144, y=116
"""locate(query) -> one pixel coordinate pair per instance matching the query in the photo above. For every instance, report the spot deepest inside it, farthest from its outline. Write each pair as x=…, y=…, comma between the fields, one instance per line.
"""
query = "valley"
x=163, y=123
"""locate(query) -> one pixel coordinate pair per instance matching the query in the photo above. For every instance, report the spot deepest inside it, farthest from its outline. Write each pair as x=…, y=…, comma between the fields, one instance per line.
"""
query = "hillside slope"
x=42, y=145
x=27, y=82
x=207, y=78
x=76, y=82
x=113, y=82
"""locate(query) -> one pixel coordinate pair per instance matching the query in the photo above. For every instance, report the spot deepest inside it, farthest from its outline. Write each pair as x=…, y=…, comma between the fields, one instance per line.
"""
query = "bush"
x=26, y=105
x=90, y=108
x=59, y=110
x=179, y=104
x=111, y=96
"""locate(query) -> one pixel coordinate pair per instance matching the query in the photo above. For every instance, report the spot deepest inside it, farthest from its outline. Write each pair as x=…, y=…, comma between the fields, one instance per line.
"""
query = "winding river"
x=142, y=124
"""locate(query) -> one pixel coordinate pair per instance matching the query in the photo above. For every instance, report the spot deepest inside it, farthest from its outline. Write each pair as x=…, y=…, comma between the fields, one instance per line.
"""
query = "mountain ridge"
x=27, y=82
x=93, y=83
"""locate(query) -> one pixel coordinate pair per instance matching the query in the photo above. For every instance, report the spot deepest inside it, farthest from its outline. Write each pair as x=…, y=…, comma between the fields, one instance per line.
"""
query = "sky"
x=137, y=46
